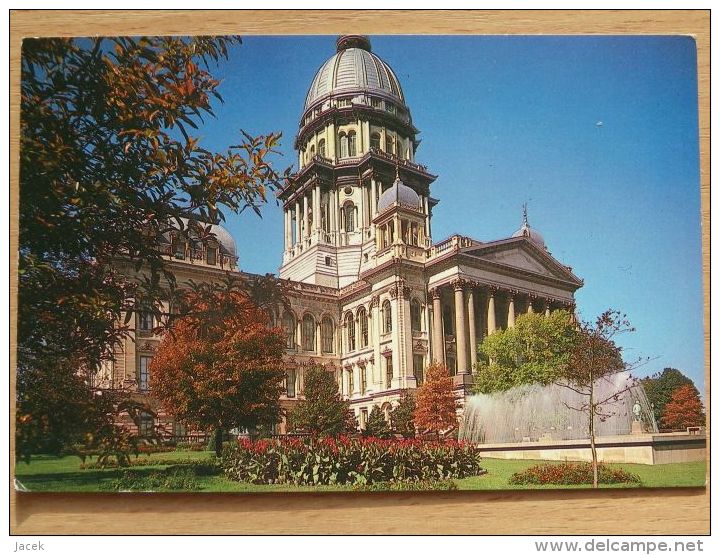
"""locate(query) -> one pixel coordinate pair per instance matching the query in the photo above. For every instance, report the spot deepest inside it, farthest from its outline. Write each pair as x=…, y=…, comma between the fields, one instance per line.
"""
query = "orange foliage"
x=435, y=401
x=220, y=366
x=684, y=409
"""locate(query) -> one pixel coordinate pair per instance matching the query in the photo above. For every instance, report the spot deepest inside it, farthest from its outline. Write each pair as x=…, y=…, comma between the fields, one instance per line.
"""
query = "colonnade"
x=498, y=308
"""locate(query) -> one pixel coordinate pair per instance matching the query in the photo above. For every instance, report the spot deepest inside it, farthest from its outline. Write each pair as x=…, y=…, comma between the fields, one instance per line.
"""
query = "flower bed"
x=568, y=474
x=358, y=461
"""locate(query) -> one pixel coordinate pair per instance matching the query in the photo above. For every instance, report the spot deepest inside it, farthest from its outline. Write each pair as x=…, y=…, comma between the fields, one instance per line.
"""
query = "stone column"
x=318, y=337
x=332, y=210
x=306, y=217
x=530, y=306
x=471, y=326
x=491, y=313
x=547, y=309
x=438, y=339
x=298, y=239
x=511, y=311
x=460, y=328
x=373, y=197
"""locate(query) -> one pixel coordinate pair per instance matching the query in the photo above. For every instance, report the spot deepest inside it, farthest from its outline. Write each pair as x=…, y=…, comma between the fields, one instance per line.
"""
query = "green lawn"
x=47, y=473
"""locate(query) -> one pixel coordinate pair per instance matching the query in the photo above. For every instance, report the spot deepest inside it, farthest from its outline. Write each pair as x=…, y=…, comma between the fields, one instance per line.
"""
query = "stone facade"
x=372, y=297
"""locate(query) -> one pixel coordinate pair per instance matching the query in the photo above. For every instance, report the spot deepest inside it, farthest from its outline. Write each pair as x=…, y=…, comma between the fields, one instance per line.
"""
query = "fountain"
x=537, y=413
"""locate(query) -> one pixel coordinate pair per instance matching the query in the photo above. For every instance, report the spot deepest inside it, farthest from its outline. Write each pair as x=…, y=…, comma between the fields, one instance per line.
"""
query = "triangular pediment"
x=520, y=254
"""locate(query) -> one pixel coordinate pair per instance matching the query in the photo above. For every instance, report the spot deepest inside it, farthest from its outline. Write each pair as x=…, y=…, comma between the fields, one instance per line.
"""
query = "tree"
x=107, y=165
x=685, y=409
x=660, y=387
x=402, y=416
x=596, y=357
x=322, y=412
x=435, y=402
x=376, y=425
x=536, y=350
x=220, y=366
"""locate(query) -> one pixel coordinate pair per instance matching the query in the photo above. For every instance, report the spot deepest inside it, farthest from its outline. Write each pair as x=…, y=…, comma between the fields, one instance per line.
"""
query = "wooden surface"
x=676, y=511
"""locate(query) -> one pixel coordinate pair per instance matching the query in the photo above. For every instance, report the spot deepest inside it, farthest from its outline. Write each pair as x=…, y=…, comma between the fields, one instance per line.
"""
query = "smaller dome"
x=526, y=231
x=223, y=237
x=400, y=193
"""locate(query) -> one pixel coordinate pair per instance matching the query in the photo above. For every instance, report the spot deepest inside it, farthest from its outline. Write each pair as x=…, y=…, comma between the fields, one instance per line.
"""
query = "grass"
x=47, y=473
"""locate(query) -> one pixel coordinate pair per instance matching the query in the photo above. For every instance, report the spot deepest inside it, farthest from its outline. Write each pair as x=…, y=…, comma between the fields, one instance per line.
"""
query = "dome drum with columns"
x=372, y=297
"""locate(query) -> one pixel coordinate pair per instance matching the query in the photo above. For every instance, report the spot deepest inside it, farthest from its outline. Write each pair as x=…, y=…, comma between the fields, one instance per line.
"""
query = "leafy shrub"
x=572, y=474
x=181, y=477
x=422, y=485
x=187, y=446
x=356, y=461
x=140, y=461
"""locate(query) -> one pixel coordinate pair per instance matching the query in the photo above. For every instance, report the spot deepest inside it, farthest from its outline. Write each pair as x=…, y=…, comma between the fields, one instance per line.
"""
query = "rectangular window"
x=145, y=319
x=418, y=369
x=363, y=380
x=211, y=256
x=363, y=418
x=388, y=372
x=351, y=382
x=144, y=374
x=290, y=380
x=147, y=425
x=178, y=248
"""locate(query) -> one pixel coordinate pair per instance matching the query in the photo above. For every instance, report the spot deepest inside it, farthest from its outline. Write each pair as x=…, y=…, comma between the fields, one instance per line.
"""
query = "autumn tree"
x=536, y=350
x=108, y=163
x=322, y=411
x=435, y=402
x=376, y=425
x=402, y=416
x=220, y=366
x=596, y=358
x=660, y=387
x=684, y=410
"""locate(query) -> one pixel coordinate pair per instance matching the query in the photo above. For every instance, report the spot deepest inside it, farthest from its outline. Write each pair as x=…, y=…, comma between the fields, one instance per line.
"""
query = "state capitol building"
x=372, y=296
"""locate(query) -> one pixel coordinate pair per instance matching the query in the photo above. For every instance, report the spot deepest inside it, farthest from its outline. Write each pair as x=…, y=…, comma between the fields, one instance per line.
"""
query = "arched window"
x=312, y=152
x=308, y=333
x=375, y=141
x=389, y=144
x=350, y=325
x=288, y=324
x=290, y=380
x=415, y=315
x=343, y=145
x=387, y=317
x=349, y=216
x=327, y=331
x=352, y=144
x=321, y=148
x=363, y=323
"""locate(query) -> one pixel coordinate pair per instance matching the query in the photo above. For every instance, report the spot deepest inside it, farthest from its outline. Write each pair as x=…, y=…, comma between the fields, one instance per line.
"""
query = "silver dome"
x=354, y=68
x=222, y=235
x=400, y=193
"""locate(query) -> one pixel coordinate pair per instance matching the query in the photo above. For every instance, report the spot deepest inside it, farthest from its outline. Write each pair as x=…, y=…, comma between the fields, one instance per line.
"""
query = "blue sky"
x=506, y=120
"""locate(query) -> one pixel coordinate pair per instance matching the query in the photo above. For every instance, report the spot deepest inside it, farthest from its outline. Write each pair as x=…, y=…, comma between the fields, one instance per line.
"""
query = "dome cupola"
x=526, y=231
x=354, y=69
x=401, y=194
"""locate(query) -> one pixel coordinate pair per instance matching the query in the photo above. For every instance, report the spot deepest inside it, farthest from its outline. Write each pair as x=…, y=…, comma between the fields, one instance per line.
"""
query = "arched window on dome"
x=349, y=216
x=352, y=144
x=363, y=323
x=375, y=141
x=350, y=327
x=415, y=315
x=321, y=148
x=343, y=145
x=308, y=332
x=387, y=317
x=288, y=324
x=389, y=144
x=312, y=152
x=327, y=331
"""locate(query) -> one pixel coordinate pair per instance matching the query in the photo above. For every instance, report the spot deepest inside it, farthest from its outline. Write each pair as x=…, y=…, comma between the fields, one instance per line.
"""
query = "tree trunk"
x=592, y=436
x=218, y=441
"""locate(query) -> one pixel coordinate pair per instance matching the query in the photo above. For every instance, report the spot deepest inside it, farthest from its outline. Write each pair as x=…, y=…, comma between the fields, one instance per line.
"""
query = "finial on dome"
x=353, y=41
x=525, y=220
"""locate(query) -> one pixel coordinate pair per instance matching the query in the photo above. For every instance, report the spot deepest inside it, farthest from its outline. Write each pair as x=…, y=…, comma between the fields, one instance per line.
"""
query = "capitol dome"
x=400, y=193
x=224, y=238
x=354, y=68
